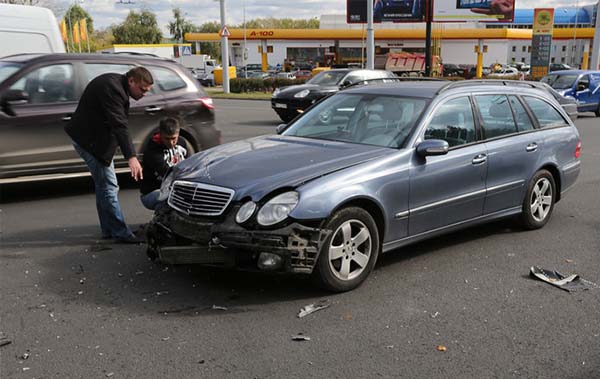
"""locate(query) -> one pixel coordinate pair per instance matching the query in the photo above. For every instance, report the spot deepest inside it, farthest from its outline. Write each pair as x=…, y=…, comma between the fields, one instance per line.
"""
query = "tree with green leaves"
x=211, y=48
x=138, y=28
x=281, y=23
x=180, y=26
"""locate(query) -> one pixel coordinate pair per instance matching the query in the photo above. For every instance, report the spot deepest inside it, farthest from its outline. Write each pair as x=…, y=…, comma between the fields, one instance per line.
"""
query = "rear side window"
x=166, y=79
x=93, y=70
x=521, y=117
x=496, y=115
x=453, y=123
x=545, y=113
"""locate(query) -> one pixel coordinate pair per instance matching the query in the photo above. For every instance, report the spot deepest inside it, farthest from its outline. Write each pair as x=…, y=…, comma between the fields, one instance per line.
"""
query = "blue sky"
x=107, y=12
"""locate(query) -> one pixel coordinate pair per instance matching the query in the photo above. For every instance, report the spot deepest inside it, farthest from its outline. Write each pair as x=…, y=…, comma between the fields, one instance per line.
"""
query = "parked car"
x=581, y=85
x=559, y=67
x=285, y=75
x=258, y=75
x=506, y=72
x=303, y=74
x=450, y=69
x=365, y=171
x=39, y=93
x=290, y=101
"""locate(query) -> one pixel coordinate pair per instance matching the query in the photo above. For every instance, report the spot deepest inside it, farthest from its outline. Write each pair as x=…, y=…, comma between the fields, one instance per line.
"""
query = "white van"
x=28, y=29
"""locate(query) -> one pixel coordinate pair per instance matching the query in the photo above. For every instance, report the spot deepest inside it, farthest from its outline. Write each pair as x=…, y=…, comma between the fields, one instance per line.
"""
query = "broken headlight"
x=277, y=209
x=245, y=212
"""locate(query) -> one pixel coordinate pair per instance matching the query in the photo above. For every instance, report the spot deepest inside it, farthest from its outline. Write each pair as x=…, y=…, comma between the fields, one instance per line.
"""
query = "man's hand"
x=136, y=169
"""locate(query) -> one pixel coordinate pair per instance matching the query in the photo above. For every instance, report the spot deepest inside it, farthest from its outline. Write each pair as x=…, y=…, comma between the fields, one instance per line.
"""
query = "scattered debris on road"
x=300, y=337
x=24, y=356
x=311, y=308
x=569, y=283
x=166, y=338
x=218, y=307
x=441, y=348
x=110, y=374
x=4, y=340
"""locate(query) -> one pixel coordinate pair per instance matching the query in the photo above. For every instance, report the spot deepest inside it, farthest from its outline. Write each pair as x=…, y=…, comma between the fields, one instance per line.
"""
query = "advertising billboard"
x=474, y=10
x=541, y=41
x=386, y=11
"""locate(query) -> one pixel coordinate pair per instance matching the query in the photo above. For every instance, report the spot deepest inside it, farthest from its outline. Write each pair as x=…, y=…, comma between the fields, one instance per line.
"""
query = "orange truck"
x=407, y=64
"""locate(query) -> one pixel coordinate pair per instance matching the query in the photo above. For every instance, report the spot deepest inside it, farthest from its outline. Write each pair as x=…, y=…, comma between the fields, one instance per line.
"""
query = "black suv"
x=290, y=101
x=40, y=92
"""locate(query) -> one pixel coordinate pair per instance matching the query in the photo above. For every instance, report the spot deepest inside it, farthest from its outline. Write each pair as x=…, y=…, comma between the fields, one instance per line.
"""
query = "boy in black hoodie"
x=162, y=152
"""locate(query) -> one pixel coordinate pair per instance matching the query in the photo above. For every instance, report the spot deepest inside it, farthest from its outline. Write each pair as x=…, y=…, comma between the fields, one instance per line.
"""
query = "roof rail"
x=493, y=82
x=391, y=80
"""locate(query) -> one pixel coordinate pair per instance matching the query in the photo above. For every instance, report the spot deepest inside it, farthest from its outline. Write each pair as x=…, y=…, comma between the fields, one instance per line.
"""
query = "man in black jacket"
x=161, y=153
x=97, y=127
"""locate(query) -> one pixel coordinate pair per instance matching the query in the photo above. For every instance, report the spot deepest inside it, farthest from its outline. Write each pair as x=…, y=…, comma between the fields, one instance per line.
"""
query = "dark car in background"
x=39, y=93
x=450, y=69
x=290, y=101
x=559, y=67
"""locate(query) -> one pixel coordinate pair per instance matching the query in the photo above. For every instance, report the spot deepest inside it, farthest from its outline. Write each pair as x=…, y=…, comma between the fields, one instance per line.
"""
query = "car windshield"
x=367, y=119
x=560, y=81
x=7, y=69
x=328, y=78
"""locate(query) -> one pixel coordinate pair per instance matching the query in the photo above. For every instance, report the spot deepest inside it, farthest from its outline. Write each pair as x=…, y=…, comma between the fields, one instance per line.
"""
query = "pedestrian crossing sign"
x=186, y=50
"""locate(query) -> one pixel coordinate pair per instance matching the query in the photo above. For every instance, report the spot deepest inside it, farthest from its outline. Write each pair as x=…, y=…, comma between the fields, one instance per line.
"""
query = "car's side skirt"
x=450, y=228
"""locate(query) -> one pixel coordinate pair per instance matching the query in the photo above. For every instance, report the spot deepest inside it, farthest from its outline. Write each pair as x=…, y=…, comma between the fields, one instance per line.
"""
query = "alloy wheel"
x=350, y=250
x=541, y=199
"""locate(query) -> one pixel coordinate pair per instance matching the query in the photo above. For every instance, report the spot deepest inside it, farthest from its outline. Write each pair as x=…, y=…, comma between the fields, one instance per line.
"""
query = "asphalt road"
x=76, y=307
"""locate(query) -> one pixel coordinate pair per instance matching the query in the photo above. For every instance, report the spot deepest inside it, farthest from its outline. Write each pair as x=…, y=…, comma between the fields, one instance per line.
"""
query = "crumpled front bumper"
x=175, y=238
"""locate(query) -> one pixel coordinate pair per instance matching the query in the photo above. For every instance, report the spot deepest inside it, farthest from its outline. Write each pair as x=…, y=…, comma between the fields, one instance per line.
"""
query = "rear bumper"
x=174, y=238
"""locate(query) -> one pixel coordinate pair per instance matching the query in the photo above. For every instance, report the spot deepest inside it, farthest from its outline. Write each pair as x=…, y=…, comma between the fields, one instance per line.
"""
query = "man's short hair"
x=140, y=74
x=169, y=126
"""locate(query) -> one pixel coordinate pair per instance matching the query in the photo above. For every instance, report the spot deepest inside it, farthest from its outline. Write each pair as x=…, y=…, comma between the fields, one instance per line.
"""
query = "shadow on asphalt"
x=448, y=240
x=30, y=191
x=272, y=123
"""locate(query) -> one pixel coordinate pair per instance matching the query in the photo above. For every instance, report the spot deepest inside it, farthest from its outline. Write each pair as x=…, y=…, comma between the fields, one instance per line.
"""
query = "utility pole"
x=428, y=17
x=370, y=37
x=224, y=50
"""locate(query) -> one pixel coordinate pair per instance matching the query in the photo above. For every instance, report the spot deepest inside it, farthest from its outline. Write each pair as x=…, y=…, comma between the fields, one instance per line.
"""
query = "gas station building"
x=336, y=41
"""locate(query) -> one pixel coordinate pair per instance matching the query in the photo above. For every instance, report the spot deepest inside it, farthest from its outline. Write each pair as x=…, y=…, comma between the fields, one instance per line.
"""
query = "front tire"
x=539, y=200
x=349, y=253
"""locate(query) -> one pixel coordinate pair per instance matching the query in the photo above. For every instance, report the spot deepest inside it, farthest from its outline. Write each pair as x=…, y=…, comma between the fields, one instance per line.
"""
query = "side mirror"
x=432, y=147
x=15, y=97
x=345, y=83
x=280, y=128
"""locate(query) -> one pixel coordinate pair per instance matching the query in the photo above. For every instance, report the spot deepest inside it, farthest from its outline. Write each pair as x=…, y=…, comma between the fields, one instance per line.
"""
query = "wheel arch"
x=372, y=207
x=553, y=169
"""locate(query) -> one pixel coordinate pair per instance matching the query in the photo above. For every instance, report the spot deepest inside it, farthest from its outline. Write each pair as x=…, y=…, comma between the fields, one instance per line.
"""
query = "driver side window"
x=453, y=123
x=49, y=84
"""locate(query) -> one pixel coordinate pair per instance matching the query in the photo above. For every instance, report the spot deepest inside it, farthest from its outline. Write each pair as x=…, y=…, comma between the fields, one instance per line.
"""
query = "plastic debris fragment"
x=569, y=283
x=311, y=308
x=300, y=337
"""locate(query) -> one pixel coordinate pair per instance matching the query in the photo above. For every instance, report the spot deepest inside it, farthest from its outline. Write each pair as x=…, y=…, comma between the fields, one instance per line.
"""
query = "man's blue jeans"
x=106, y=186
x=150, y=200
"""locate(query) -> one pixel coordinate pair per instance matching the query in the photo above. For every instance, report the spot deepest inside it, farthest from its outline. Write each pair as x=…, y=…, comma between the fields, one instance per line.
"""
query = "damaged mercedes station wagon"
x=366, y=171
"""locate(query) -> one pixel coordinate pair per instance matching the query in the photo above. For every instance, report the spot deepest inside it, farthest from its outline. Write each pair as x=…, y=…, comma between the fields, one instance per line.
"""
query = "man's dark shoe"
x=133, y=239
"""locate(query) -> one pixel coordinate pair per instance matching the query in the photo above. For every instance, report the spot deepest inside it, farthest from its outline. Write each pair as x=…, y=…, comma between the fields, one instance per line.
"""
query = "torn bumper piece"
x=175, y=238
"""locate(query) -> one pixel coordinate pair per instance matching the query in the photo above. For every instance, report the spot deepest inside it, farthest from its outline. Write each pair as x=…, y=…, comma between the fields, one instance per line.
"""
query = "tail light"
x=207, y=102
x=578, y=150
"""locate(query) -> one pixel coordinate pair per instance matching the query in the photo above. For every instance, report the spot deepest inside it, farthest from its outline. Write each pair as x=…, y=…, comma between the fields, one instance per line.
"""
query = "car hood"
x=257, y=166
x=290, y=91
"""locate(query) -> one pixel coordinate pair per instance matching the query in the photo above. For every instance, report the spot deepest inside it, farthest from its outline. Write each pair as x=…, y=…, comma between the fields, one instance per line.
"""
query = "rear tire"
x=191, y=150
x=349, y=254
x=539, y=200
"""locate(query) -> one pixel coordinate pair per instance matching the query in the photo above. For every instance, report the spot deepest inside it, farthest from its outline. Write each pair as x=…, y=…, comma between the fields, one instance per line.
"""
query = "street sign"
x=186, y=50
x=225, y=32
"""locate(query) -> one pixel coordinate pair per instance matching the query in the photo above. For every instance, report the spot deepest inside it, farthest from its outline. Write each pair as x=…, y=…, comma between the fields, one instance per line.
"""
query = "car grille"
x=199, y=199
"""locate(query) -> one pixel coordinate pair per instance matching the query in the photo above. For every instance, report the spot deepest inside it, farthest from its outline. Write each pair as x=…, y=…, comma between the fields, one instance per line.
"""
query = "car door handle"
x=481, y=158
x=66, y=118
x=531, y=147
x=151, y=109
